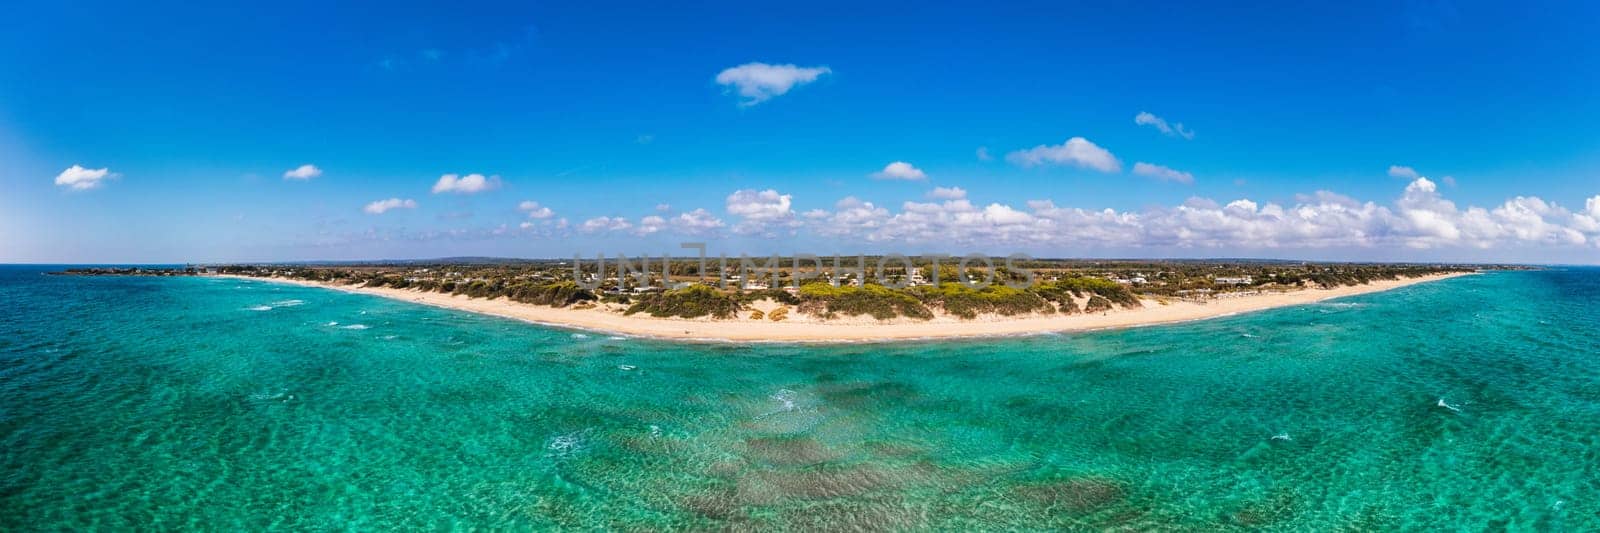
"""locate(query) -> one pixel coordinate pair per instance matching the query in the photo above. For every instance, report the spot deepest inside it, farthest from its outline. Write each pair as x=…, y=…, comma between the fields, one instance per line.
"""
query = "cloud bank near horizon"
x=1421, y=218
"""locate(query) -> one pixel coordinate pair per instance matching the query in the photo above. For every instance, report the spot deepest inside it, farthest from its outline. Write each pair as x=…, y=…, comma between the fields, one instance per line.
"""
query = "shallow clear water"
x=207, y=403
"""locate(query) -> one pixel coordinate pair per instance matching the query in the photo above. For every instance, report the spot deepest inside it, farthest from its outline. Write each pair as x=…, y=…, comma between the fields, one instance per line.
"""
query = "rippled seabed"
x=225, y=404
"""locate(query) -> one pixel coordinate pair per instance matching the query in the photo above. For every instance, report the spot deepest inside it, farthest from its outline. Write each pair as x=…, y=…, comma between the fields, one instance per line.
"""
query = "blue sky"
x=1301, y=115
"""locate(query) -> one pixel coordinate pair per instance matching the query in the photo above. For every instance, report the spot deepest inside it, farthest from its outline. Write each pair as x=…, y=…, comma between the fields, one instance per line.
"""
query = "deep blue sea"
x=216, y=404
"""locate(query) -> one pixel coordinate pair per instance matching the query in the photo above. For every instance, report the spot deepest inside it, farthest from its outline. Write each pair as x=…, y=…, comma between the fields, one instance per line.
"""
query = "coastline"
x=801, y=328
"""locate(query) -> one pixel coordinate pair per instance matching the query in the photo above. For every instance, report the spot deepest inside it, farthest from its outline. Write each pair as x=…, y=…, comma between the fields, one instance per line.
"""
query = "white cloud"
x=851, y=218
x=759, y=82
x=78, y=178
x=381, y=206
x=761, y=212
x=599, y=224
x=302, y=173
x=1589, y=220
x=1403, y=172
x=947, y=193
x=649, y=225
x=1162, y=173
x=534, y=210
x=697, y=222
x=983, y=153
x=1077, y=151
x=958, y=221
x=900, y=170
x=1420, y=218
x=663, y=207
x=762, y=205
x=469, y=184
x=1145, y=118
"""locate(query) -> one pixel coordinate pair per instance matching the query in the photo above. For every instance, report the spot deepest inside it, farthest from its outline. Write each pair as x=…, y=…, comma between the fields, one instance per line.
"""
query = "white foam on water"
x=288, y=303
x=616, y=338
x=259, y=308
x=626, y=367
x=784, y=395
x=390, y=337
x=331, y=324
x=564, y=445
x=1448, y=406
x=579, y=336
x=354, y=326
x=1248, y=336
x=264, y=396
x=785, y=398
x=1282, y=436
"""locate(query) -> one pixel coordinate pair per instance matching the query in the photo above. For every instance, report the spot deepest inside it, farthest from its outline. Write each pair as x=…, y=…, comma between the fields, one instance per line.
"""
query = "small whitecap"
x=786, y=398
x=390, y=337
x=354, y=326
x=564, y=445
x=626, y=367
x=264, y=396
x=331, y=324
x=289, y=303
x=259, y=308
x=579, y=336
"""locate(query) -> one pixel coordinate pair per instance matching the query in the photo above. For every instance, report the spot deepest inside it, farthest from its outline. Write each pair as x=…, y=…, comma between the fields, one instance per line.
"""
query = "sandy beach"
x=808, y=329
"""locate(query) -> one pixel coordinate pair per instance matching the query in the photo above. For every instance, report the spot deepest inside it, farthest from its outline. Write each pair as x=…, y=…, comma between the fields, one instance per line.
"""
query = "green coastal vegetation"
x=925, y=289
x=689, y=302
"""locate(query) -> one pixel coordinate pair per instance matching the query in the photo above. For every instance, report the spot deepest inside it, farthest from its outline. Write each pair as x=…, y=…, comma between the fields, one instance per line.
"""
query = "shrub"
x=689, y=302
x=966, y=302
x=1076, y=286
x=777, y=295
x=559, y=294
x=881, y=302
x=757, y=315
x=1067, y=306
x=1097, y=304
x=778, y=314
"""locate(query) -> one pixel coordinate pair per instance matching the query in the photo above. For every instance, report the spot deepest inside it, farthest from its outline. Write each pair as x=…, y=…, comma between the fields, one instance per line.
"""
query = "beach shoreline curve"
x=804, y=329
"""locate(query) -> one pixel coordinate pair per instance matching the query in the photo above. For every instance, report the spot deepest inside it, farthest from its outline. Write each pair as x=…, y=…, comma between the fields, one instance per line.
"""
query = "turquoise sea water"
x=222, y=404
